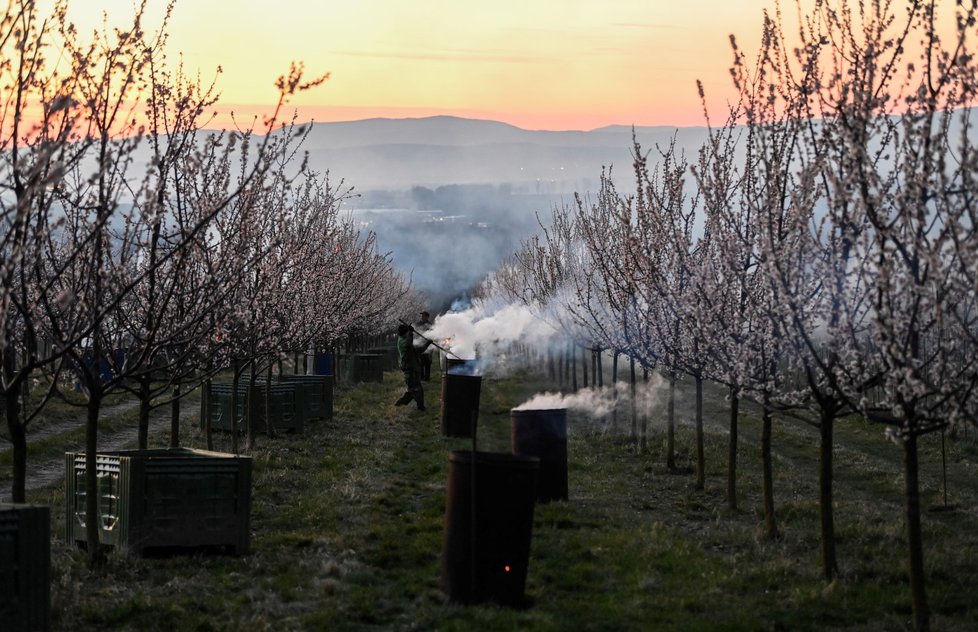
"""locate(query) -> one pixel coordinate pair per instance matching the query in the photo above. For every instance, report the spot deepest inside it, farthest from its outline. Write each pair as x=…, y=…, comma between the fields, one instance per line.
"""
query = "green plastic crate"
x=163, y=498
x=25, y=567
x=319, y=389
x=364, y=367
x=288, y=407
x=390, y=357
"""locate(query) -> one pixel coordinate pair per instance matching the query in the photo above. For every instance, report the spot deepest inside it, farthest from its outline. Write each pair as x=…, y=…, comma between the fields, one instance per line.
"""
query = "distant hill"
x=462, y=193
x=434, y=151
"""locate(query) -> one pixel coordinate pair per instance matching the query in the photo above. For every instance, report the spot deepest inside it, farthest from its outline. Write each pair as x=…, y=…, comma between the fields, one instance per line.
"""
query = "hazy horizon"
x=547, y=65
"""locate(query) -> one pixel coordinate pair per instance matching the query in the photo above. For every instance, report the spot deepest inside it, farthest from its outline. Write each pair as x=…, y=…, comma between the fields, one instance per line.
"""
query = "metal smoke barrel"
x=488, y=560
x=447, y=361
x=453, y=363
x=459, y=403
x=543, y=434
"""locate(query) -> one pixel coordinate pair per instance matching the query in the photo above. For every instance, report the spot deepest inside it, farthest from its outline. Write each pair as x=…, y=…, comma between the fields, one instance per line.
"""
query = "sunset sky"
x=538, y=64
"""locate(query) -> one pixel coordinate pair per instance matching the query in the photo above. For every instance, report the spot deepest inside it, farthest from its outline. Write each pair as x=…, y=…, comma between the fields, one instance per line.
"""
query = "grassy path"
x=347, y=533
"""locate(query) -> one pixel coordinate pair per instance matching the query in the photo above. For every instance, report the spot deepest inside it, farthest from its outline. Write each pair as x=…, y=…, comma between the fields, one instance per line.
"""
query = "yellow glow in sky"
x=539, y=64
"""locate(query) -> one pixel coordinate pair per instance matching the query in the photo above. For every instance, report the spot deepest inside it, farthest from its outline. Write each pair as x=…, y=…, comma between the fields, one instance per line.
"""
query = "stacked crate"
x=288, y=406
x=25, y=567
x=161, y=498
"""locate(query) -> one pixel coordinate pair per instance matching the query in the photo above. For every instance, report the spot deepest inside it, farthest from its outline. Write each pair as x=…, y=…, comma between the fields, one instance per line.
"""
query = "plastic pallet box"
x=25, y=567
x=320, y=388
x=390, y=358
x=287, y=407
x=364, y=367
x=163, y=498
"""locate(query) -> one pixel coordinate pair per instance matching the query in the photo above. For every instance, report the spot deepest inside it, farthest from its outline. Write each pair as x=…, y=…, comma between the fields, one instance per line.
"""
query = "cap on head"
x=403, y=330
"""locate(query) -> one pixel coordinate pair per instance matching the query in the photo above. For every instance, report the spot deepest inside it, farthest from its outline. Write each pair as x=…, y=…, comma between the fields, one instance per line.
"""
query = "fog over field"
x=450, y=197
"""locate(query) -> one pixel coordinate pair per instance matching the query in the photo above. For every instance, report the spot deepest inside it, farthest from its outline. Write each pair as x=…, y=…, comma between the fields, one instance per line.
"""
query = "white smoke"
x=600, y=402
x=487, y=331
x=470, y=367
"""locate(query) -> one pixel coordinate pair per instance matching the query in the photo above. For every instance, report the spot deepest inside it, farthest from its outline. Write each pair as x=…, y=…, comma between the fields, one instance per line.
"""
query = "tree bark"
x=915, y=537
x=16, y=429
x=584, y=363
x=700, y=437
x=175, y=418
x=634, y=409
x=671, y=424
x=732, y=450
x=92, y=530
x=142, y=434
x=643, y=443
x=250, y=405
x=573, y=367
x=598, y=369
x=18, y=439
x=206, y=396
x=770, y=522
x=269, y=426
x=235, y=380
x=829, y=564
x=560, y=369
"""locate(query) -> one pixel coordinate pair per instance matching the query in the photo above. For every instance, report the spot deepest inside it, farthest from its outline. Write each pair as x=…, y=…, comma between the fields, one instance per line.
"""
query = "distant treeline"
x=501, y=203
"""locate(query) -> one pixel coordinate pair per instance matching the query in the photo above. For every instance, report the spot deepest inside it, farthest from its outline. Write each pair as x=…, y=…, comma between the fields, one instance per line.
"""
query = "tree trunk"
x=732, y=450
x=15, y=428
x=598, y=369
x=95, y=555
x=560, y=369
x=915, y=537
x=671, y=424
x=142, y=434
x=614, y=382
x=829, y=565
x=634, y=409
x=700, y=438
x=175, y=418
x=235, y=381
x=269, y=426
x=206, y=395
x=584, y=363
x=643, y=443
x=770, y=523
x=573, y=367
x=18, y=439
x=250, y=405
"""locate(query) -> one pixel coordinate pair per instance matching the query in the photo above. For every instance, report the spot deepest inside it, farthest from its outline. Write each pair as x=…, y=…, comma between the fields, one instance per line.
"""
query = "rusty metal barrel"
x=543, y=434
x=448, y=363
x=459, y=403
x=488, y=527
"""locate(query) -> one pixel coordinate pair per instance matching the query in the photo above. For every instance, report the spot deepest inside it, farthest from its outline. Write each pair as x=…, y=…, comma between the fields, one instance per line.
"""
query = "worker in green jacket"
x=409, y=359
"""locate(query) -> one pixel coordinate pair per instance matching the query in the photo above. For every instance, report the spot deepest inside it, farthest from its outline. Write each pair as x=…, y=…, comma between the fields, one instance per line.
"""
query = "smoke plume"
x=600, y=402
x=488, y=330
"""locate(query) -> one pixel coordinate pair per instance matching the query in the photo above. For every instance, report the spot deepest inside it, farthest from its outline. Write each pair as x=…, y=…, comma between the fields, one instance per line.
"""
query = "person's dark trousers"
x=426, y=366
x=414, y=390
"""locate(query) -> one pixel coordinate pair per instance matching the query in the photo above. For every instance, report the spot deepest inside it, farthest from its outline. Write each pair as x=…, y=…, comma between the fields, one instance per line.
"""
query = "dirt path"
x=43, y=429
x=49, y=471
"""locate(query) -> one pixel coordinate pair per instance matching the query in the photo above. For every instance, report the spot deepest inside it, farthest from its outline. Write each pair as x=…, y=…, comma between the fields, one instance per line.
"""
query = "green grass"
x=347, y=528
